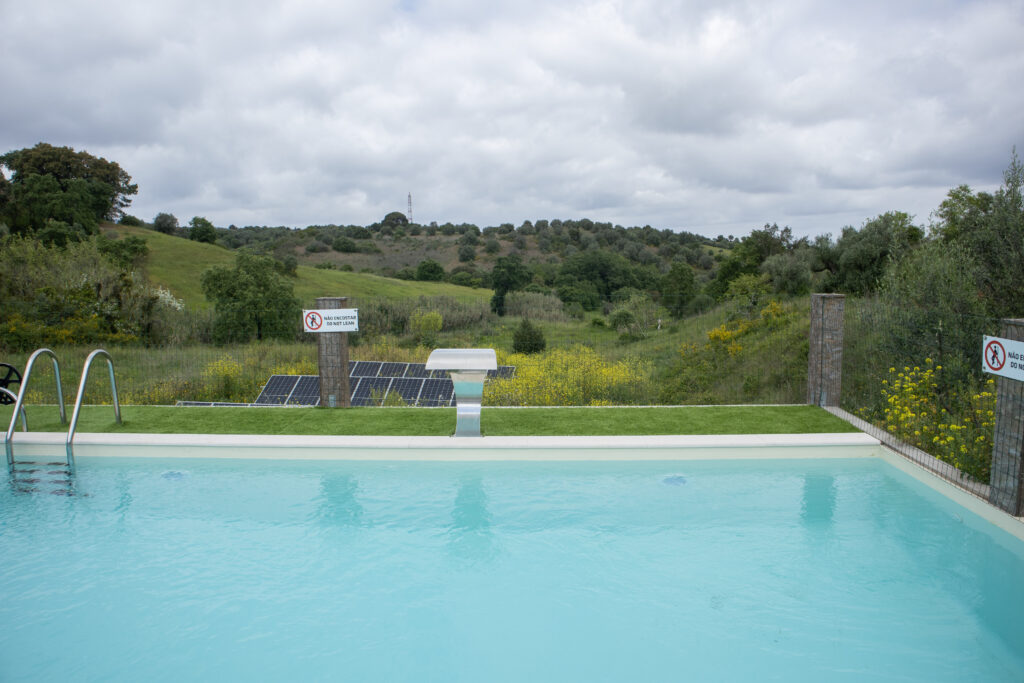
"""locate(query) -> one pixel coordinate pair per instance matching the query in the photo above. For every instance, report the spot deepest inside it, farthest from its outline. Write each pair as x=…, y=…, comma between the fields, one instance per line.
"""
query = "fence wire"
x=754, y=353
x=914, y=378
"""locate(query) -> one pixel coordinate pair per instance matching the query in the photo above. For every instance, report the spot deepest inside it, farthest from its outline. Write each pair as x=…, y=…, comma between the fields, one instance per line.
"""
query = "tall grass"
x=585, y=364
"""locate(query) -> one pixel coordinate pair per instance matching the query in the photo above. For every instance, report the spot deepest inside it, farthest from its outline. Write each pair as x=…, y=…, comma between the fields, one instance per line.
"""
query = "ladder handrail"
x=81, y=395
x=14, y=396
x=9, y=447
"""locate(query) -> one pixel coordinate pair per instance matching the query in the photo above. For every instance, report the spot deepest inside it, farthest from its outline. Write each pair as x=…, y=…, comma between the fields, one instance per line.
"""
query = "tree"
x=528, y=338
x=508, y=274
x=991, y=228
x=605, y=272
x=100, y=186
x=345, y=245
x=790, y=273
x=250, y=300
x=467, y=253
x=932, y=309
x=165, y=223
x=678, y=287
x=861, y=256
x=430, y=271
x=746, y=259
x=395, y=219
x=202, y=230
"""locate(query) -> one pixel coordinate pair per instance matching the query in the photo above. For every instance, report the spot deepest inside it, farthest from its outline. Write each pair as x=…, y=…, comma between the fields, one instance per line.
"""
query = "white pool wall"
x=444, y=448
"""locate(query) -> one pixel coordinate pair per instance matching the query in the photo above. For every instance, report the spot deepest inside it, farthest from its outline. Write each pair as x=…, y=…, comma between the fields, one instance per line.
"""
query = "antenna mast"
x=408, y=214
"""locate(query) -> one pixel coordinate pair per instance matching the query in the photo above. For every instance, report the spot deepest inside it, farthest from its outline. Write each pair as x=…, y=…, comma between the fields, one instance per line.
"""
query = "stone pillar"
x=333, y=360
x=825, y=356
x=1007, y=489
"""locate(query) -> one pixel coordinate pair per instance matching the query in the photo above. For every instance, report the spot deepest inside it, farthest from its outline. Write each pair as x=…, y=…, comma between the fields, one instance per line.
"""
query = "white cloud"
x=706, y=116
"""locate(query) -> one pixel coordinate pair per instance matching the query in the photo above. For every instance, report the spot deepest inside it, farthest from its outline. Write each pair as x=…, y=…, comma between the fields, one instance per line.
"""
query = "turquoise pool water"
x=733, y=570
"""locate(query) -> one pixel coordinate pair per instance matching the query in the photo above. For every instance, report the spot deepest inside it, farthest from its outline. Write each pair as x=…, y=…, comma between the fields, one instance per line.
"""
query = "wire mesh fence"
x=754, y=353
x=914, y=377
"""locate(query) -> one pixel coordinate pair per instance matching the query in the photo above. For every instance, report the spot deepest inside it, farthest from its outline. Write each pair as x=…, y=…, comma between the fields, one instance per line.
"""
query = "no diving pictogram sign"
x=313, y=321
x=995, y=355
x=1003, y=357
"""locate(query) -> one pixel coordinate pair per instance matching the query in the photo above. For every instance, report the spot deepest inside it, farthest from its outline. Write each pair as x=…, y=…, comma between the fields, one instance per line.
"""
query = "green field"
x=177, y=264
x=441, y=421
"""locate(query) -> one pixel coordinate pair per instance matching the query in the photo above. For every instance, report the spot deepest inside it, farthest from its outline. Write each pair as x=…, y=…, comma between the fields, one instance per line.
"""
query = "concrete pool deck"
x=446, y=448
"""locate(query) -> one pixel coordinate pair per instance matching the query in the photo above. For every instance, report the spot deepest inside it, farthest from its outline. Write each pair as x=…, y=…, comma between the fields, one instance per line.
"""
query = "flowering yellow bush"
x=960, y=434
x=575, y=376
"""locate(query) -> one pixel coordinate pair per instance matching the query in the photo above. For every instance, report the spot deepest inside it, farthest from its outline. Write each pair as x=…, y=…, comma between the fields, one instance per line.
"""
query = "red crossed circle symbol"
x=313, y=320
x=995, y=355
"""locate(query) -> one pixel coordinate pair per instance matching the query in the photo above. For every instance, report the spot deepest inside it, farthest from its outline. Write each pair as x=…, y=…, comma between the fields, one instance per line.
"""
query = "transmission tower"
x=408, y=214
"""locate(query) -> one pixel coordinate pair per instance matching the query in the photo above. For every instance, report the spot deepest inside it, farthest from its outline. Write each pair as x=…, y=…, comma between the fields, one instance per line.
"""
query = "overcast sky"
x=714, y=117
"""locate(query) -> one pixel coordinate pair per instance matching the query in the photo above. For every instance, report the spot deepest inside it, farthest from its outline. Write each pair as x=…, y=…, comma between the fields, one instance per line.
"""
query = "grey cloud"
x=708, y=116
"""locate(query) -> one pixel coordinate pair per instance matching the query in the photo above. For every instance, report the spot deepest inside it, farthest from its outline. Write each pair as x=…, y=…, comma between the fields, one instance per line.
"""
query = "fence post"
x=1007, y=487
x=825, y=355
x=332, y=358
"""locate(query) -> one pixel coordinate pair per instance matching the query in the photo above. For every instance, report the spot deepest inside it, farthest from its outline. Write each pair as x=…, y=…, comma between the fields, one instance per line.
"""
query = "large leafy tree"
x=509, y=274
x=859, y=259
x=678, y=287
x=747, y=257
x=991, y=228
x=202, y=230
x=602, y=271
x=59, y=183
x=251, y=300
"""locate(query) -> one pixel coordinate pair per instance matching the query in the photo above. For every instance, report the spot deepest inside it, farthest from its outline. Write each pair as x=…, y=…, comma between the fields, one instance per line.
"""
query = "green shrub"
x=424, y=326
x=528, y=338
x=345, y=245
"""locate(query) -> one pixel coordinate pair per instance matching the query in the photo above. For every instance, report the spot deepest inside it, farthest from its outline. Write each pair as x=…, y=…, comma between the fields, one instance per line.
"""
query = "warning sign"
x=331, y=320
x=1003, y=357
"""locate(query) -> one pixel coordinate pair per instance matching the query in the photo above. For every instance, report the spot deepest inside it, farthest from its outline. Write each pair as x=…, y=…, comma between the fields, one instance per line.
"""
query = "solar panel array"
x=370, y=383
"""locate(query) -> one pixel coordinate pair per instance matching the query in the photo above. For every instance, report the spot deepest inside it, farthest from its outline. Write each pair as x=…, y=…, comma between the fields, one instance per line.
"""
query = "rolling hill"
x=177, y=264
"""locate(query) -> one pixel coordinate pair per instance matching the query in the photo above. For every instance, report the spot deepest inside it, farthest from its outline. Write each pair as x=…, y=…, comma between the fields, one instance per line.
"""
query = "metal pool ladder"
x=19, y=403
x=81, y=393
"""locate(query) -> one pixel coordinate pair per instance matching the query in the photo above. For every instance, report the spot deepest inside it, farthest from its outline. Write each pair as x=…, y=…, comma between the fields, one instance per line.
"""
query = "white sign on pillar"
x=331, y=320
x=1003, y=357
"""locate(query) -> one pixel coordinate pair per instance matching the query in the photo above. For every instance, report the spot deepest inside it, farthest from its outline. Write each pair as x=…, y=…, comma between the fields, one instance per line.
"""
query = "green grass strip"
x=441, y=421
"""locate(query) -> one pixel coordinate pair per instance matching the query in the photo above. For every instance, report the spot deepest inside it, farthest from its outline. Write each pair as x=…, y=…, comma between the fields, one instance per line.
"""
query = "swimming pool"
x=707, y=569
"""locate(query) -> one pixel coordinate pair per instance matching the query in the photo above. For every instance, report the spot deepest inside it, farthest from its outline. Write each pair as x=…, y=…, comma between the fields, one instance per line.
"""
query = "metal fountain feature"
x=468, y=369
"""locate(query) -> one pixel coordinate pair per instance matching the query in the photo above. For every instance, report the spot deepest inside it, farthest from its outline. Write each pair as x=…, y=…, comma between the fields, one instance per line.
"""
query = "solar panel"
x=306, y=392
x=366, y=377
x=368, y=388
x=417, y=370
x=436, y=392
x=392, y=369
x=276, y=390
x=366, y=368
x=408, y=388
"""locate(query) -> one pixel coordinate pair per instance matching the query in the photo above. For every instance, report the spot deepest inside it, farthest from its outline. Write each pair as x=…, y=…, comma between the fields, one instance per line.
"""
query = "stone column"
x=1007, y=489
x=333, y=360
x=825, y=356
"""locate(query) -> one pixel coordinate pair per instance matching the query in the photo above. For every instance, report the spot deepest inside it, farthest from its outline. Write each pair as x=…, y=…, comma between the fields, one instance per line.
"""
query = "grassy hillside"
x=177, y=264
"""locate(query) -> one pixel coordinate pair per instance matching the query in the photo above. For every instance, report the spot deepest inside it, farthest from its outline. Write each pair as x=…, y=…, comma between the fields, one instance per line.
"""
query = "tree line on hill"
x=53, y=199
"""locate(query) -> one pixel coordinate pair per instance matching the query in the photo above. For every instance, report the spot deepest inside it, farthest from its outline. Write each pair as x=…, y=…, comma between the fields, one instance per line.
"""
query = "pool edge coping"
x=344, y=443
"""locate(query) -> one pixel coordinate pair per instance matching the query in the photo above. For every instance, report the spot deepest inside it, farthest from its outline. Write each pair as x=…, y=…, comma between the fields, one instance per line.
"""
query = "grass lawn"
x=441, y=421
